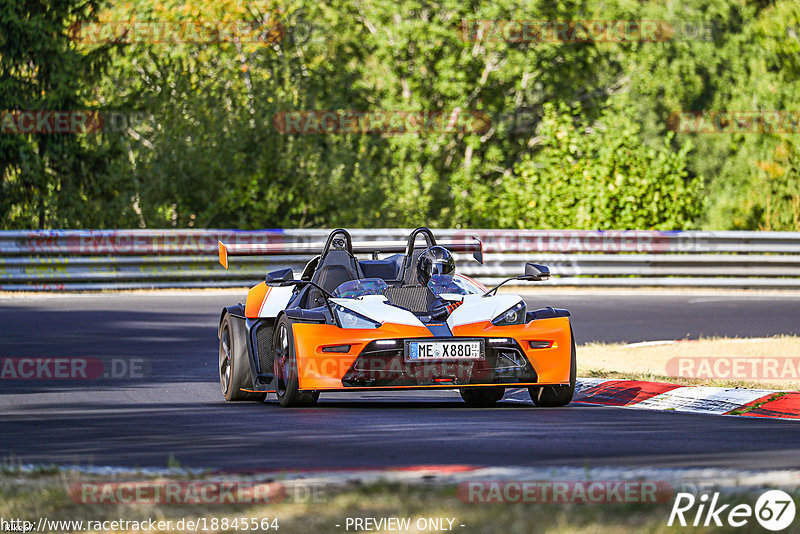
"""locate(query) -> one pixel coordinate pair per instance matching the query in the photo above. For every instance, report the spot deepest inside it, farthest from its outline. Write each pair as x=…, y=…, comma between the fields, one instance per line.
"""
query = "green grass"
x=30, y=497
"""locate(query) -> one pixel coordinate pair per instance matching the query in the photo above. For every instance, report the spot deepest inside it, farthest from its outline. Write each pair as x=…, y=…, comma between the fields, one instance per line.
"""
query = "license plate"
x=444, y=350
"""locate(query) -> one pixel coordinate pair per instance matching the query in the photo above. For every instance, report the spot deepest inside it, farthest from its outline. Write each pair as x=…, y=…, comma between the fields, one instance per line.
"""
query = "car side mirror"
x=536, y=273
x=533, y=273
x=279, y=276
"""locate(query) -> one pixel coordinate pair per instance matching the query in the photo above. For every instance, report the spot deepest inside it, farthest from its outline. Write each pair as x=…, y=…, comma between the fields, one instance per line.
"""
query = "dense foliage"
x=579, y=133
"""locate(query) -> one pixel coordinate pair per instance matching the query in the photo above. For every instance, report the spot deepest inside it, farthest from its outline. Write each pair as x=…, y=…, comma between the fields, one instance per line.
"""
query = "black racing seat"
x=410, y=273
x=332, y=276
x=388, y=269
x=337, y=267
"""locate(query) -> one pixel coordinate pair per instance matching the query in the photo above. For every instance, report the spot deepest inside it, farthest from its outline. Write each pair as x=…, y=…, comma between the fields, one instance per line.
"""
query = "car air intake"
x=264, y=332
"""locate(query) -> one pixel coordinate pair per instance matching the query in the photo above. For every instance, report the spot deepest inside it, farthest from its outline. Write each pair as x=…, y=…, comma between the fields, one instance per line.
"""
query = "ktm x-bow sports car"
x=403, y=321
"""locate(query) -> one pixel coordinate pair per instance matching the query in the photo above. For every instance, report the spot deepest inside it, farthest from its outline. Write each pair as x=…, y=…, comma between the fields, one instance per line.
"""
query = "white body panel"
x=275, y=302
x=477, y=308
x=377, y=308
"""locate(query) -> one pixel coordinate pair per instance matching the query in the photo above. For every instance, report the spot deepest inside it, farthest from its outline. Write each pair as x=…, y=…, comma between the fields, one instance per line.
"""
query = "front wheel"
x=287, y=383
x=553, y=396
x=482, y=397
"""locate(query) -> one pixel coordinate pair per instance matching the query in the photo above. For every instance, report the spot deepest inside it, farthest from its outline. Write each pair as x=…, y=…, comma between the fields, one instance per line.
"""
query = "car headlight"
x=350, y=319
x=513, y=315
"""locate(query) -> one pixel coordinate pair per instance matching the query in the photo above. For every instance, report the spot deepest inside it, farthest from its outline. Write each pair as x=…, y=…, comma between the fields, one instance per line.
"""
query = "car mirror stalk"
x=325, y=293
x=533, y=273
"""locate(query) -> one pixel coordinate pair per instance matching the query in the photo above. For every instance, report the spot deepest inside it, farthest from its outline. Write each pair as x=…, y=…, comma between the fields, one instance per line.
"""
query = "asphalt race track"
x=172, y=405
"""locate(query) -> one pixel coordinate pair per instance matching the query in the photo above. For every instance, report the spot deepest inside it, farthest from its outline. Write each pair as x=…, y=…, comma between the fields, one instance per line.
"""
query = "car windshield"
x=358, y=288
x=454, y=285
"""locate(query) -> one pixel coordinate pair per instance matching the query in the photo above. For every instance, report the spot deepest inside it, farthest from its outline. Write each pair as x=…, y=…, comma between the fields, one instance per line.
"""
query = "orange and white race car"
x=404, y=321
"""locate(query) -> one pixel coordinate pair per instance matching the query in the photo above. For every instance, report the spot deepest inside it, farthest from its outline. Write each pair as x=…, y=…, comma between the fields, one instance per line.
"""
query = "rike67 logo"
x=774, y=510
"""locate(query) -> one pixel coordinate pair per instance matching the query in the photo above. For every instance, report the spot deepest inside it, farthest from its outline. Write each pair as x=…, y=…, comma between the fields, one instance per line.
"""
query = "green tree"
x=597, y=176
x=51, y=179
x=206, y=153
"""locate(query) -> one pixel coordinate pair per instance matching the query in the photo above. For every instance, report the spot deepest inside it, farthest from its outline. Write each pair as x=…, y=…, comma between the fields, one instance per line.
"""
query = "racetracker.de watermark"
x=391, y=122
x=734, y=367
x=73, y=368
x=81, y=121
x=204, y=492
x=565, y=492
x=175, y=32
x=100, y=242
x=56, y=122
x=567, y=241
x=730, y=121
x=584, y=31
x=371, y=368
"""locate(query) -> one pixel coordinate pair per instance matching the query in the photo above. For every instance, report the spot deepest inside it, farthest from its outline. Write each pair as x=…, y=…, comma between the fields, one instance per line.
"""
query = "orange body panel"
x=325, y=370
x=552, y=364
x=255, y=299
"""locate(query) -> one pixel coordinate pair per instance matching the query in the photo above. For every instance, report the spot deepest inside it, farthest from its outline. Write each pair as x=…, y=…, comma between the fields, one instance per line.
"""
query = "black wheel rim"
x=224, y=360
x=281, y=360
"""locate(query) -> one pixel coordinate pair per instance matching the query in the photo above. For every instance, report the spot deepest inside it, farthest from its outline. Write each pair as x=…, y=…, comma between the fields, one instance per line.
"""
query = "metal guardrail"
x=55, y=260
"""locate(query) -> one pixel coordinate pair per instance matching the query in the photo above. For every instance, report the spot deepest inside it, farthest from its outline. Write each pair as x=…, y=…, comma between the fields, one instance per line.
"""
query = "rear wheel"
x=482, y=397
x=287, y=384
x=552, y=396
x=234, y=369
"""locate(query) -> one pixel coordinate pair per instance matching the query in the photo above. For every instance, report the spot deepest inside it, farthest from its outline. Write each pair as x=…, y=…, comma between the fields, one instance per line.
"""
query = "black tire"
x=482, y=397
x=234, y=369
x=553, y=396
x=287, y=384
